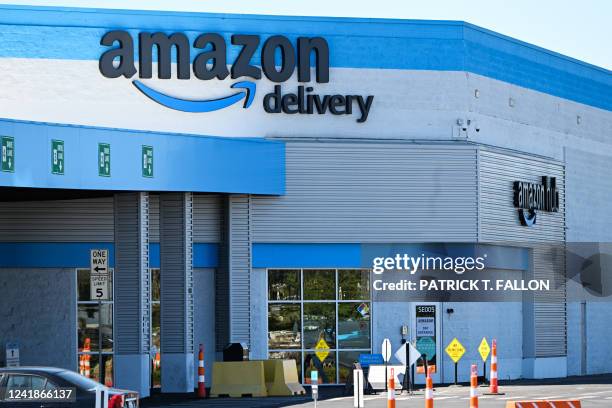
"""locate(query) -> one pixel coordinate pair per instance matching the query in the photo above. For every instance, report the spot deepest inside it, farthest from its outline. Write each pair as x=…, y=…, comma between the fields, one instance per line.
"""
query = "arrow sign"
x=98, y=276
x=199, y=106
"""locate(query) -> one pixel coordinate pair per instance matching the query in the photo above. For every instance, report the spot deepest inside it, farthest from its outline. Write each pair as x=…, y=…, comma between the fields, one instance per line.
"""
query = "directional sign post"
x=386, y=352
x=484, y=351
x=57, y=157
x=104, y=160
x=8, y=154
x=99, y=282
x=408, y=356
x=455, y=351
x=147, y=161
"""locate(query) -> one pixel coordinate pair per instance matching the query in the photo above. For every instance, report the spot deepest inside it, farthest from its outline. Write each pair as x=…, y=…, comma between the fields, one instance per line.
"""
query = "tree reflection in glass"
x=284, y=326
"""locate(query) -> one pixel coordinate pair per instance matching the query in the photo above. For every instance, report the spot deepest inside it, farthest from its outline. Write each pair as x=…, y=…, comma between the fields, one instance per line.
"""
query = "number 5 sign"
x=99, y=274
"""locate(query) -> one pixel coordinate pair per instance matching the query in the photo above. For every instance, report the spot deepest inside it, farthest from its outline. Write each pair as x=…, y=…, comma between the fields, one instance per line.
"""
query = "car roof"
x=31, y=370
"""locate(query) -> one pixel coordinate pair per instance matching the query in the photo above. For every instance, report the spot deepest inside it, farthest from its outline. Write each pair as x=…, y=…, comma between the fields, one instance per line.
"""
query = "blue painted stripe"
x=205, y=255
x=207, y=164
x=76, y=255
x=32, y=32
x=307, y=255
x=267, y=255
x=51, y=255
x=154, y=255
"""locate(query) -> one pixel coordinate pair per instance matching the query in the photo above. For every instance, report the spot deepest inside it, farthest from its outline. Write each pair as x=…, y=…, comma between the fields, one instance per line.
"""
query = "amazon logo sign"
x=211, y=63
x=529, y=197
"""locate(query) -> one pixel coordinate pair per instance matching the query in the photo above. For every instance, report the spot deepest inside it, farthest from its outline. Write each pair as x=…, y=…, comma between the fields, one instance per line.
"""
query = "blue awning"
x=181, y=162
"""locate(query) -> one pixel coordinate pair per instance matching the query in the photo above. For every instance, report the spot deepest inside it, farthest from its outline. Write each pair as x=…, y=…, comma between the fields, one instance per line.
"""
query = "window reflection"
x=326, y=368
x=354, y=325
x=319, y=284
x=346, y=359
x=307, y=306
x=284, y=285
x=284, y=329
x=319, y=323
x=94, y=331
x=289, y=355
x=353, y=284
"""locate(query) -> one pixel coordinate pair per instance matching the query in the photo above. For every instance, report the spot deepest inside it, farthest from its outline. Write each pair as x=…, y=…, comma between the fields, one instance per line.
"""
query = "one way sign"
x=99, y=281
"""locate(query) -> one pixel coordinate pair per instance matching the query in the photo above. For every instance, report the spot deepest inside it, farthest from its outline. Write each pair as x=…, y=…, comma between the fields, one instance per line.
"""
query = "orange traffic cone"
x=85, y=360
x=474, y=387
x=157, y=361
x=391, y=390
x=201, y=374
x=493, y=390
x=429, y=401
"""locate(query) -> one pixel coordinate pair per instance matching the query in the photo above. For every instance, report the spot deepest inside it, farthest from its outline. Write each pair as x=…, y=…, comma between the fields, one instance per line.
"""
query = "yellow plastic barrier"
x=282, y=378
x=544, y=404
x=238, y=379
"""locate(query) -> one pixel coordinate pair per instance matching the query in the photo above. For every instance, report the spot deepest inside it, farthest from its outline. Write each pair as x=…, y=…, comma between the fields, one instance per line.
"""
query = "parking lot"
x=593, y=392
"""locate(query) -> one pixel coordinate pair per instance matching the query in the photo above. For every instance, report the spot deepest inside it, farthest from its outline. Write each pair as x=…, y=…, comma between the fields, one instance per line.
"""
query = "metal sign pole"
x=484, y=372
x=456, y=373
x=100, y=378
x=407, y=373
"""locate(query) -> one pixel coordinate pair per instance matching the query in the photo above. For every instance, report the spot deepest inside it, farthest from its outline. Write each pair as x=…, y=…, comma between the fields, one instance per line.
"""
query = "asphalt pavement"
x=593, y=392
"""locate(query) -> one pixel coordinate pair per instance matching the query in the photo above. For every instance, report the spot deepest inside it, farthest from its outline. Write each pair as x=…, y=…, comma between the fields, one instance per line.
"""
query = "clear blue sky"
x=580, y=28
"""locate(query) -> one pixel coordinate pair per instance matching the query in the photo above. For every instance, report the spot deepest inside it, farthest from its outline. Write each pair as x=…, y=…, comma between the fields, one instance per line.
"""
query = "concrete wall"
x=259, y=314
x=589, y=217
x=37, y=311
x=470, y=322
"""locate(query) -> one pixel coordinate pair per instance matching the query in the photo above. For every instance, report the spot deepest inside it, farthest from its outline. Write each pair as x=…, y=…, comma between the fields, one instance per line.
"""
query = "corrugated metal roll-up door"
x=177, y=273
x=79, y=220
x=499, y=222
x=222, y=286
x=207, y=214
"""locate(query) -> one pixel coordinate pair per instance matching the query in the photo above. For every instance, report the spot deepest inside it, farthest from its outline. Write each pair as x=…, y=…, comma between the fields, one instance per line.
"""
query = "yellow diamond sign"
x=322, y=350
x=455, y=350
x=484, y=349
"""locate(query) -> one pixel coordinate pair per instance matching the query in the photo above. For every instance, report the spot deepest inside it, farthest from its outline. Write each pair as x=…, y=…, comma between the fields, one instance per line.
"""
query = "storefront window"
x=307, y=307
x=346, y=359
x=284, y=328
x=326, y=368
x=284, y=285
x=354, y=325
x=290, y=355
x=319, y=323
x=353, y=284
x=94, y=331
x=320, y=285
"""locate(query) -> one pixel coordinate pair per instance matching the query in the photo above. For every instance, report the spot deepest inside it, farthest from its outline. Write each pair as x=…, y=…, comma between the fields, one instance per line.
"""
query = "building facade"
x=236, y=168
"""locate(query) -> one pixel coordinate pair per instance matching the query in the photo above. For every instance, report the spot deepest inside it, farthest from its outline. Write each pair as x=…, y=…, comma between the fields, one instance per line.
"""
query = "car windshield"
x=78, y=380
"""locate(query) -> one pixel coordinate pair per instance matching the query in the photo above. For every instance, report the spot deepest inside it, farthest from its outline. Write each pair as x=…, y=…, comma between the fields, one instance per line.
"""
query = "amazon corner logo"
x=529, y=197
x=211, y=63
